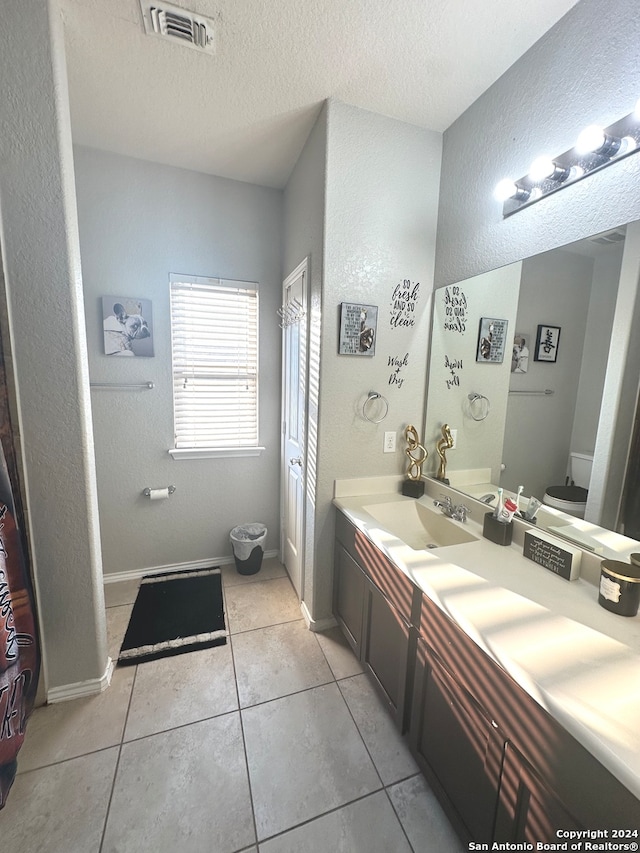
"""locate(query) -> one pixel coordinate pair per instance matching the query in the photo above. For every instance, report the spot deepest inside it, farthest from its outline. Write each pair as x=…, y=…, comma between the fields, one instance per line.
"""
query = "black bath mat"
x=174, y=613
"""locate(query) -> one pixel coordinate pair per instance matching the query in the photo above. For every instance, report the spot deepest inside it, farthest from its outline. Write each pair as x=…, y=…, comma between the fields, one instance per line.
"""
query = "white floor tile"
x=421, y=815
x=69, y=729
x=305, y=757
x=59, y=809
x=185, y=790
x=387, y=748
x=181, y=689
x=275, y=661
x=366, y=826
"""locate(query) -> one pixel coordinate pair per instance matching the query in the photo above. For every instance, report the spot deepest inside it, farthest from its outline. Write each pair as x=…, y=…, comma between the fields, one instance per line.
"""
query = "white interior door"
x=294, y=378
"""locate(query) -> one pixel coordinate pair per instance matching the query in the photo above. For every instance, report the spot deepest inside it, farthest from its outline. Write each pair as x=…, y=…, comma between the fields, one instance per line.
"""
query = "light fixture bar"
x=610, y=144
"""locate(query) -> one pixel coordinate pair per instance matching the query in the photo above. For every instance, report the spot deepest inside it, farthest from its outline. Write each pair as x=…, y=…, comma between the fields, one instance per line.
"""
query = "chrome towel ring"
x=366, y=407
x=479, y=406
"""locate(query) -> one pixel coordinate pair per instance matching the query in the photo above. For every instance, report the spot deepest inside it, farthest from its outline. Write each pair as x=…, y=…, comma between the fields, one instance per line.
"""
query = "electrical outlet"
x=389, y=442
x=454, y=436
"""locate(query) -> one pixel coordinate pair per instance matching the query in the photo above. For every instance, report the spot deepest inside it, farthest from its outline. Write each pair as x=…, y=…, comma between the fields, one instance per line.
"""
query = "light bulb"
x=591, y=139
x=541, y=168
x=505, y=189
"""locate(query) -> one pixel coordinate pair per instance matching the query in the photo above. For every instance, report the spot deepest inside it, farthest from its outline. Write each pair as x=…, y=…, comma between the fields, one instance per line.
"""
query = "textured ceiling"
x=246, y=111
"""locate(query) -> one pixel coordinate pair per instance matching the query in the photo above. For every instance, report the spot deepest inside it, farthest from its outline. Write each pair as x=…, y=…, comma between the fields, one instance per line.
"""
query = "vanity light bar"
x=595, y=148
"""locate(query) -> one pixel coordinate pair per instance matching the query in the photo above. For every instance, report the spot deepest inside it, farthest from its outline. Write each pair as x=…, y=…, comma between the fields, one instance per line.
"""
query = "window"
x=214, y=333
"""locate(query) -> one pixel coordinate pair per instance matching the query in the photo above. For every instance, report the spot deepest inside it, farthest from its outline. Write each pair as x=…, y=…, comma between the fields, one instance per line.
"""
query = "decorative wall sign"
x=520, y=353
x=455, y=308
x=357, y=329
x=491, y=340
x=403, y=304
x=563, y=561
x=547, y=343
x=454, y=366
x=397, y=363
x=127, y=325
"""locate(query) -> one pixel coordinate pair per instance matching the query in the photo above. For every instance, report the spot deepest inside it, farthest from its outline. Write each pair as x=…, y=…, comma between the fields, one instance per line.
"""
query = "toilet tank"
x=580, y=468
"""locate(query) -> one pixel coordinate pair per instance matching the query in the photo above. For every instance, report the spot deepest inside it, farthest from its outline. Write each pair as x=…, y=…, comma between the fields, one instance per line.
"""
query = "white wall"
x=42, y=272
x=140, y=221
x=598, y=336
x=555, y=289
x=455, y=373
x=590, y=56
x=584, y=70
x=381, y=205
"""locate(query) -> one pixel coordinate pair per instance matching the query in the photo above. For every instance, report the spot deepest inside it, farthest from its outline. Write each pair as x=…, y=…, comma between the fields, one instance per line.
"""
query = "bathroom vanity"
x=518, y=694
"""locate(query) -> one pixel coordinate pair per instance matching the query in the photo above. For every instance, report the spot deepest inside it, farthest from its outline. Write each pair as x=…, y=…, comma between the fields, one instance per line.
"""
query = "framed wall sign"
x=547, y=343
x=492, y=338
x=357, y=329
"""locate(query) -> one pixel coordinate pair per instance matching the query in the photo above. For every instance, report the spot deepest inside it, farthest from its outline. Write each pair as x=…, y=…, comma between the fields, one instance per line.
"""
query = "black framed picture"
x=547, y=343
x=492, y=337
x=357, y=329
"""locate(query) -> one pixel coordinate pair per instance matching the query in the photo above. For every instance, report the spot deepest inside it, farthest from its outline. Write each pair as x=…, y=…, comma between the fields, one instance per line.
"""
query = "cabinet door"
x=386, y=650
x=350, y=586
x=528, y=809
x=458, y=747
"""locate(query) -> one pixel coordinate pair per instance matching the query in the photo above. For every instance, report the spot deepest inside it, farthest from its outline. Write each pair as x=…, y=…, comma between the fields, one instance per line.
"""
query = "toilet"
x=572, y=499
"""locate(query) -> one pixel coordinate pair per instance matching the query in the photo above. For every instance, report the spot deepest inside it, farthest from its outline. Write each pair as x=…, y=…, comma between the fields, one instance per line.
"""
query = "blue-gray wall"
x=140, y=221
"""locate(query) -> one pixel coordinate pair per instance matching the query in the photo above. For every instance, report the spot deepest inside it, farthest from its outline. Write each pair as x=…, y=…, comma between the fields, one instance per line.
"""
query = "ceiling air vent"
x=179, y=25
x=609, y=237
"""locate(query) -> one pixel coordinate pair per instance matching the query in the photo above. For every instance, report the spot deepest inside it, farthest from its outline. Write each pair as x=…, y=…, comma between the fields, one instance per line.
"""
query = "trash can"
x=247, y=541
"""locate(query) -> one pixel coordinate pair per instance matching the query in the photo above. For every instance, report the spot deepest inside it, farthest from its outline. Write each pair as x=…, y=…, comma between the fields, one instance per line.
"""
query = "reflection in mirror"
x=554, y=359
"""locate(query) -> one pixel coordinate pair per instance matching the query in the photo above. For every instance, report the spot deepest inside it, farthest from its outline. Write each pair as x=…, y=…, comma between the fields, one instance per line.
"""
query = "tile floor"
x=274, y=743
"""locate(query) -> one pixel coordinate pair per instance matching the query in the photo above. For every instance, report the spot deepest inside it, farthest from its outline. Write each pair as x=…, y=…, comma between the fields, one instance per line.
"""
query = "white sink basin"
x=418, y=526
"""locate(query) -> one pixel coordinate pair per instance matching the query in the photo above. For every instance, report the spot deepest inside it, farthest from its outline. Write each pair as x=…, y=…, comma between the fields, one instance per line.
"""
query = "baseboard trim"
x=136, y=574
x=81, y=689
x=317, y=625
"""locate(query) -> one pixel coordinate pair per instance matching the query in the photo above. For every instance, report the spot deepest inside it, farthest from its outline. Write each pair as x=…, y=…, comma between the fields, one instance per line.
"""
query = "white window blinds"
x=214, y=330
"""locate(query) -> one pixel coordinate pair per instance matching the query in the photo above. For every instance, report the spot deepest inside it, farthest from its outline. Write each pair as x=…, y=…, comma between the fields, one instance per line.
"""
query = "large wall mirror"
x=537, y=367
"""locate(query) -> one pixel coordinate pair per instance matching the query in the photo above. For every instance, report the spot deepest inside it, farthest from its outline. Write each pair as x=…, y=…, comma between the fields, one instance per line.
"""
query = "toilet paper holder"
x=147, y=492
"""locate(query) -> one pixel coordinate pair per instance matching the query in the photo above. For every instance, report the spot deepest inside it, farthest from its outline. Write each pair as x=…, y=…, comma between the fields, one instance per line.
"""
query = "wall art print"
x=403, y=304
x=492, y=338
x=547, y=341
x=128, y=326
x=520, y=353
x=357, y=329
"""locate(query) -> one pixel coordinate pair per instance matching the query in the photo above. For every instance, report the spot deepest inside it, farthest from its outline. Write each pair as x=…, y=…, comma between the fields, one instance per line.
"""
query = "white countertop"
x=576, y=659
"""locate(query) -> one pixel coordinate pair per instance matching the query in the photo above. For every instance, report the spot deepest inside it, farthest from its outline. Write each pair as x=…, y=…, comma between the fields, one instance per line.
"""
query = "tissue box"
x=496, y=531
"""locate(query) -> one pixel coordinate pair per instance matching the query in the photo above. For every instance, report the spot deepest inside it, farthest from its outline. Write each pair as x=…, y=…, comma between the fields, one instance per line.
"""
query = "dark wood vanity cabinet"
x=372, y=603
x=458, y=747
x=503, y=769
x=349, y=594
x=385, y=651
x=528, y=808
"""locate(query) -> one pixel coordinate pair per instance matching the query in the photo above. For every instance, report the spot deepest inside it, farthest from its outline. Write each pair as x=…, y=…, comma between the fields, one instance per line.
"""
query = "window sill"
x=213, y=452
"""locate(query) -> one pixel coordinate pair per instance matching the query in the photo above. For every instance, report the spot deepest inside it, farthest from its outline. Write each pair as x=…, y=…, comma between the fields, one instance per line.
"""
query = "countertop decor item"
x=417, y=454
x=445, y=443
x=619, y=589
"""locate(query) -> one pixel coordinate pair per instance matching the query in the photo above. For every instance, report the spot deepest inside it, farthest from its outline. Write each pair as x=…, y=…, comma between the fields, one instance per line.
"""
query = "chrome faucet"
x=458, y=512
